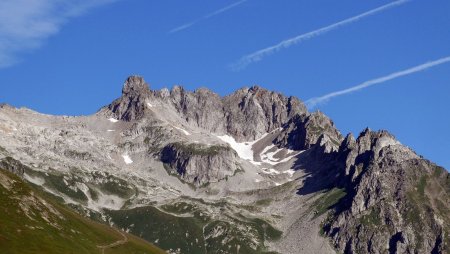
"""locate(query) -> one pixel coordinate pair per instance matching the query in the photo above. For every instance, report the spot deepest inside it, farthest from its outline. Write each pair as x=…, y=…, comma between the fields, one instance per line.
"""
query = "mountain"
x=251, y=172
x=31, y=222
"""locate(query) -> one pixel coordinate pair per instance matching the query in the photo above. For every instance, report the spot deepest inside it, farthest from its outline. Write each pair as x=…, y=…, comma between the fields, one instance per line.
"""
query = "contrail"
x=311, y=103
x=210, y=15
x=258, y=55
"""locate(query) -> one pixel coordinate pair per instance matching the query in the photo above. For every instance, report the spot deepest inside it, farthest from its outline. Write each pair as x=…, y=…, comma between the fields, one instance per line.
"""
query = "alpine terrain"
x=194, y=172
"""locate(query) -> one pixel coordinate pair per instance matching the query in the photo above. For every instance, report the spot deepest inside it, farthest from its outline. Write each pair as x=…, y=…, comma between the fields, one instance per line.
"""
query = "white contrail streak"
x=224, y=9
x=311, y=103
x=258, y=55
x=210, y=15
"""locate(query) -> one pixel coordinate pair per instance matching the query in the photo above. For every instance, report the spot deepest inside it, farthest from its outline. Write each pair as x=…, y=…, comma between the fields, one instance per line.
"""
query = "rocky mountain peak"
x=349, y=142
x=231, y=163
x=135, y=85
x=245, y=114
x=375, y=141
x=391, y=197
x=5, y=105
x=131, y=105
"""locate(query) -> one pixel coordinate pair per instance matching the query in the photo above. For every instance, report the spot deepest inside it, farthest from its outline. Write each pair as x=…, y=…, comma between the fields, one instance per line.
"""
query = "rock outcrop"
x=251, y=112
x=199, y=164
x=304, y=131
x=394, y=201
x=237, y=164
x=13, y=166
x=132, y=104
x=246, y=114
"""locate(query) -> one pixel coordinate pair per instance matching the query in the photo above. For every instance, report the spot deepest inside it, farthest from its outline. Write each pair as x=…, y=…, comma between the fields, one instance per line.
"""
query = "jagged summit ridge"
x=135, y=85
x=245, y=114
x=253, y=170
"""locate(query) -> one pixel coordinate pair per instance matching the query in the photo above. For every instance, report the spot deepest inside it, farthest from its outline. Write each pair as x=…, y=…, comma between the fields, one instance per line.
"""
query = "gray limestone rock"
x=392, y=205
x=304, y=131
x=200, y=164
x=246, y=114
x=132, y=105
x=252, y=160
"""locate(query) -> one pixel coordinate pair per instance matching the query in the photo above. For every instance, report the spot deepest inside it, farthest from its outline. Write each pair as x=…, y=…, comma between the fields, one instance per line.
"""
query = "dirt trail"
x=114, y=244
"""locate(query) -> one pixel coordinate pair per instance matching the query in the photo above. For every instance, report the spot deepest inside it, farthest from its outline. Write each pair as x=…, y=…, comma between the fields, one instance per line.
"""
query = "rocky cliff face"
x=132, y=104
x=199, y=164
x=395, y=200
x=249, y=113
x=304, y=131
x=251, y=172
x=246, y=114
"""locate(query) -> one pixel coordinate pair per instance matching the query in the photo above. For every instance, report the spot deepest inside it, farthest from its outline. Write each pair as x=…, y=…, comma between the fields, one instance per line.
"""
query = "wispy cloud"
x=311, y=103
x=207, y=16
x=26, y=24
x=260, y=54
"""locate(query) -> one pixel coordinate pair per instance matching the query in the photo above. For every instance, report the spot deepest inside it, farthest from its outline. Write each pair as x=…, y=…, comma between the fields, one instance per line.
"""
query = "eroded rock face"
x=199, y=164
x=246, y=114
x=132, y=104
x=13, y=166
x=304, y=131
x=252, y=112
x=201, y=108
x=395, y=202
x=391, y=204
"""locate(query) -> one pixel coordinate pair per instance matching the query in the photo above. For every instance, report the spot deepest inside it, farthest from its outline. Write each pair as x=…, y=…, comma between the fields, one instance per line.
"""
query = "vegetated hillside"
x=31, y=222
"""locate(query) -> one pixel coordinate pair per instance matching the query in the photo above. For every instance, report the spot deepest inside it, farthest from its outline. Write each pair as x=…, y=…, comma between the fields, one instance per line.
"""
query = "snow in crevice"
x=245, y=151
x=290, y=172
x=268, y=157
x=291, y=155
x=149, y=105
x=127, y=159
x=182, y=130
x=270, y=171
x=113, y=120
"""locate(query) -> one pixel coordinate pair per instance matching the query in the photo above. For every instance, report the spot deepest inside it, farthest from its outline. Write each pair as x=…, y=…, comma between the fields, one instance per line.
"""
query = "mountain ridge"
x=231, y=167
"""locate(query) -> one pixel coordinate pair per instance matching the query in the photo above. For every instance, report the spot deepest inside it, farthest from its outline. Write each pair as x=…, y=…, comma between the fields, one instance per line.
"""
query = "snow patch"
x=127, y=159
x=291, y=172
x=182, y=130
x=110, y=130
x=35, y=180
x=270, y=171
x=244, y=149
x=149, y=105
x=113, y=120
x=268, y=157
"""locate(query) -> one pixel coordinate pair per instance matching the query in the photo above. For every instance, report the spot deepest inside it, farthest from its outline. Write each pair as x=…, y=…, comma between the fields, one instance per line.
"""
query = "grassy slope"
x=28, y=225
x=196, y=233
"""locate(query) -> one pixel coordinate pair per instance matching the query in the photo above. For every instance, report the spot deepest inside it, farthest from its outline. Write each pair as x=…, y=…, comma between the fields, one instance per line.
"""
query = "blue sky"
x=71, y=57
